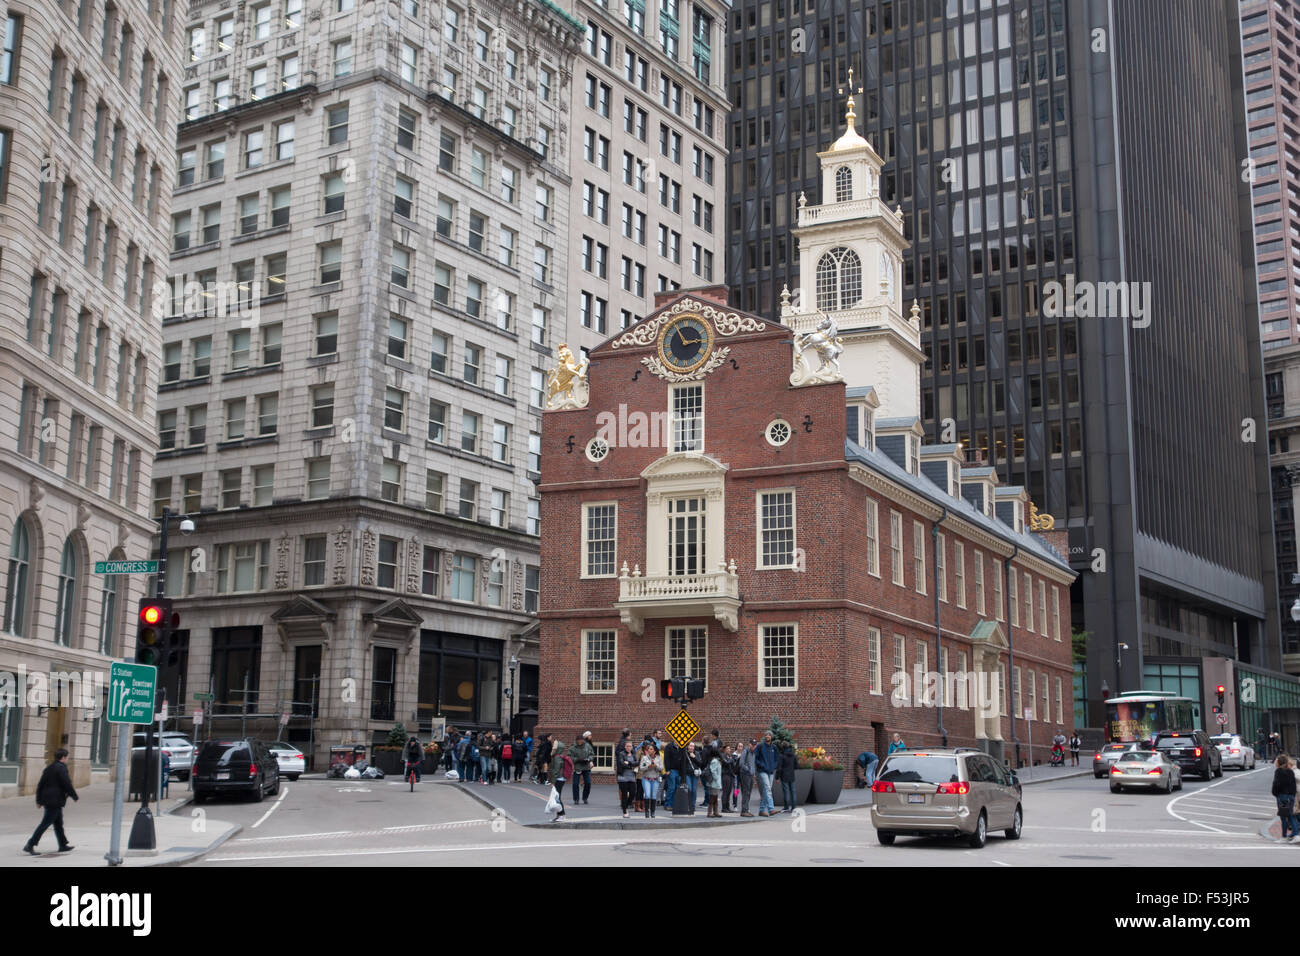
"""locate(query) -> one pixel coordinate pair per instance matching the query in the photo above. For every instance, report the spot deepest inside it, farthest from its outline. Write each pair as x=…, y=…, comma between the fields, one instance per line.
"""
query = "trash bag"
x=352, y=773
x=554, y=805
x=373, y=773
x=451, y=775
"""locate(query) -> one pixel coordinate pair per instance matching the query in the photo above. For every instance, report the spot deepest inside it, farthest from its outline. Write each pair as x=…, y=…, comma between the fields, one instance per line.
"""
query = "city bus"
x=1140, y=715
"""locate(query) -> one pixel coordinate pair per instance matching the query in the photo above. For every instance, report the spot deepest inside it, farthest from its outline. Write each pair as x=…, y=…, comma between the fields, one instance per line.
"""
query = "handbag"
x=554, y=805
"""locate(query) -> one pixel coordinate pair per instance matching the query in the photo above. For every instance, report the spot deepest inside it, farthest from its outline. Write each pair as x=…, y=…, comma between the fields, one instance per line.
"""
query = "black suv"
x=239, y=766
x=1194, y=752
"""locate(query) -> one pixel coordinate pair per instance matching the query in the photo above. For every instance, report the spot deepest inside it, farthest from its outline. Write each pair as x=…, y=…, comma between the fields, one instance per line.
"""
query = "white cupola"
x=851, y=248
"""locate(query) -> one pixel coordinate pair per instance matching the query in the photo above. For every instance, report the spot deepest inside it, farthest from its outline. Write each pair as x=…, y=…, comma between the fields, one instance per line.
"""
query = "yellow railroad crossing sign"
x=682, y=729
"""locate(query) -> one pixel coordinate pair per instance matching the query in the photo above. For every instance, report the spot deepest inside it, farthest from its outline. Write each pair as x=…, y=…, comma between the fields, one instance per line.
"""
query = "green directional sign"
x=131, y=689
x=126, y=567
x=204, y=696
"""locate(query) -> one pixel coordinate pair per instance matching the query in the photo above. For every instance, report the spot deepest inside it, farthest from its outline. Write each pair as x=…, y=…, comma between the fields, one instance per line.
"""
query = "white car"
x=179, y=750
x=292, y=761
x=1235, y=752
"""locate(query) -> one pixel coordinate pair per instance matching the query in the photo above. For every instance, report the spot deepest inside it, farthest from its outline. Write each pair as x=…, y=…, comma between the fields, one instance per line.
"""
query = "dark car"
x=1193, y=751
x=235, y=766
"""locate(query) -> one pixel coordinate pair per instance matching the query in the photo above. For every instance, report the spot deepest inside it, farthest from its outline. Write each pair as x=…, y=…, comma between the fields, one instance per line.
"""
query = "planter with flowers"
x=826, y=775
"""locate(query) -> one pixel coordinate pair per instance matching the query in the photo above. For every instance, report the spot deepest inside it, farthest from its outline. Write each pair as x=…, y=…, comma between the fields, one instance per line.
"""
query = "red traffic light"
x=1219, y=689
x=151, y=614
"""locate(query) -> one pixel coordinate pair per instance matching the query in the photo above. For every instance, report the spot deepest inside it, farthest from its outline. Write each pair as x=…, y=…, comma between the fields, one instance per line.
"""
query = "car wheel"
x=981, y=834
x=885, y=837
x=1098, y=775
x=1218, y=772
x=1169, y=783
x=183, y=776
x=200, y=798
x=1017, y=823
x=293, y=778
x=258, y=794
x=1114, y=787
x=276, y=788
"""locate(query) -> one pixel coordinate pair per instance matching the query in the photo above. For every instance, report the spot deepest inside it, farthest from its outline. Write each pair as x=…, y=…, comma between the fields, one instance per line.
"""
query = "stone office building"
x=369, y=237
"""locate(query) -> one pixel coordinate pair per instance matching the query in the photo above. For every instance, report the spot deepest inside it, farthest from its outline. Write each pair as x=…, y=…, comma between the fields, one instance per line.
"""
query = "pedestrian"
x=766, y=763
x=1075, y=745
x=626, y=766
x=508, y=747
x=166, y=772
x=745, y=774
x=651, y=770
x=672, y=755
x=545, y=751
x=414, y=756
x=52, y=794
x=458, y=755
x=866, y=768
x=713, y=779
x=728, y=779
x=691, y=768
x=897, y=744
x=485, y=758
x=702, y=757
x=1261, y=743
x=520, y=756
x=583, y=753
x=561, y=770
x=1284, y=790
x=787, y=774
x=625, y=737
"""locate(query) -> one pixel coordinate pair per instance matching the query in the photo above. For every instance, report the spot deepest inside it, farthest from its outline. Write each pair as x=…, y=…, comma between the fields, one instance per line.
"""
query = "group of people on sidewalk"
x=1286, y=778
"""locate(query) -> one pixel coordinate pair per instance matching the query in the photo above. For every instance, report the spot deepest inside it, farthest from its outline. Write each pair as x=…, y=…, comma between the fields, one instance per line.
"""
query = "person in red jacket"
x=51, y=795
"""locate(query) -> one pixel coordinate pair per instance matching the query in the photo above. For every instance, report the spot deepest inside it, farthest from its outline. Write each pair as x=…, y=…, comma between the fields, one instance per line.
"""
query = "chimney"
x=718, y=294
x=1011, y=503
x=977, y=487
x=942, y=465
x=900, y=440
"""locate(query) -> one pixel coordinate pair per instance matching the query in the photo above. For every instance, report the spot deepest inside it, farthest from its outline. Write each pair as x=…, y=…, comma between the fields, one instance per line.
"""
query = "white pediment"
x=684, y=465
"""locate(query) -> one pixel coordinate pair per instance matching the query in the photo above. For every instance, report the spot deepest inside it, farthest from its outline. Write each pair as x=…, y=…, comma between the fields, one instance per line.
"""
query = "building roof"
x=950, y=448
x=918, y=484
x=907, y=421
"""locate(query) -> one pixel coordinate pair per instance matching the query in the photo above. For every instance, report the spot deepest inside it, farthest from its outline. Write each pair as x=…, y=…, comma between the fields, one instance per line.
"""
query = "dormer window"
x=868, y=429
x=839, y=279
x=913, y=449
x=843, y=184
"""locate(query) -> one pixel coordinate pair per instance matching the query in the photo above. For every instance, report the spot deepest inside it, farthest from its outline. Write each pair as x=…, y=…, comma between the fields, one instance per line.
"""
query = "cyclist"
x=414, y=756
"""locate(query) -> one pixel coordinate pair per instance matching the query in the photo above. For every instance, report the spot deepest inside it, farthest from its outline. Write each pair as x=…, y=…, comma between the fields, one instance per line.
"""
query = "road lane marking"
x=360, y=833
x=284, y=792
x=1169, y=807
x=425, y=826
x=1000, y=863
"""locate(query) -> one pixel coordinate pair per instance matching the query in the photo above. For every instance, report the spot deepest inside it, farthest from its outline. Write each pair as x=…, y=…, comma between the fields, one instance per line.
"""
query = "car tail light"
x=1116, y=770
x=1198, y=751
x=882, y=786
x=959, y=787
x=1154, y=773
x=1096, y=756
x=1234, y=750
x=252, y=770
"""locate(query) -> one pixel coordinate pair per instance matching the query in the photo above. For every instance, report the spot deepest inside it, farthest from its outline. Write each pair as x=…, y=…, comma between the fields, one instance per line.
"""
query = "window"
x=599, y=662
x=336, y=124
x=342, y=58
x=235, y=415
x=959, y=559
x=318, y=478
x=406, y=121
x=469, y=425
x=386, y=576
x=839, y=279
x=442, y=279
x=333, y=190
x=253, y=143
x=280, y=198
x=395, y=409
x=390, y=481
x=430, y=569
x=327, y=334
x=874, y=682
x=404, y=199
x=401, y=270
x=918, y=556
x=313, y=561
x=896, y=546
x=447, y=147
x=410, y=62
x=478, y=167
x=778, y=657
x=1013, y=600
x=437, y=422
x=473, y=363
x=451, y=24
x=263, y=484
x=231, y=487
x=268, y=414
x=776, y=523
x=500, y=442
x=289, y=68
x=284, y=140
x=1056, y=614
x=467, y=506
x=873, y=537
x=1042, y=607
x=509, y=183
x=600, y=526
x=180, y=231
x=242, y=567
x=331, y=262
x=541, y=263
x=185, y=163
x=500, y=518
x=434, y=485
x=687, y=652
x=211, y=223
x=941, y=566
x=979, y=582
x=687, y=416
x=322, y=406
x=248, y=214
x=438, y=354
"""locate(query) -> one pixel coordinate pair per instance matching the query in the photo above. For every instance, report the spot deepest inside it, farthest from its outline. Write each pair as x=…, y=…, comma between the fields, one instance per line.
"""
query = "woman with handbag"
x=561, y=771
x=651, y=770
x=1284, y=789
x=626, y=766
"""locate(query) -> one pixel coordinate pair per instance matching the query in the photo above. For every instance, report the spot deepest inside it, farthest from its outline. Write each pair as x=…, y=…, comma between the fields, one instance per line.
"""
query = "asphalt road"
x=1073, y=822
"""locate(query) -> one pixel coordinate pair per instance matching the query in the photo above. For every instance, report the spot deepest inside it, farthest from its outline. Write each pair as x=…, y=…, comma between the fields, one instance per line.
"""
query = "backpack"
x=507, y=752
x=473, y=753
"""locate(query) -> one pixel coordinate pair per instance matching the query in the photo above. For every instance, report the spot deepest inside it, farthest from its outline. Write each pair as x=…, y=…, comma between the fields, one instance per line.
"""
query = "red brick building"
x=717, y=501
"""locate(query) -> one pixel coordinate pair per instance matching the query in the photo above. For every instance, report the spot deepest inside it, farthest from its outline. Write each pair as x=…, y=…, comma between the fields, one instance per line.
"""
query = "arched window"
x=15, y=619
x=108, y=611
x=843, y=184
x=839, y=279
x=67, y=592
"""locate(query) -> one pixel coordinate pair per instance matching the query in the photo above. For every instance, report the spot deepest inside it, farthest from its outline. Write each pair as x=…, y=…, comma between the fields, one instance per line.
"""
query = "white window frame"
x=584, y=661
x=875, y=684
x=1013, y=597
x=918, y=555
x=586, y=514
x=759, y=530
x=979, y=582
x=673, y=420
x=941, y=566
x=692, y=632
x=896, y=546
x=1056, y=612
x=873, y=537
x=762, y=658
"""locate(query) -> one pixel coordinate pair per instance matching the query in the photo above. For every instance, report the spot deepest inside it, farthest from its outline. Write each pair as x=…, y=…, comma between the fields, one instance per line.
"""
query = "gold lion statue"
x=566, y=384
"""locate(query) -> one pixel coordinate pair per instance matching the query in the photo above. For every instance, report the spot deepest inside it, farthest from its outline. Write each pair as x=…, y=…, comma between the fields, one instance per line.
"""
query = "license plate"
x=916, y=798
x=1132, y=770
x=224, y=776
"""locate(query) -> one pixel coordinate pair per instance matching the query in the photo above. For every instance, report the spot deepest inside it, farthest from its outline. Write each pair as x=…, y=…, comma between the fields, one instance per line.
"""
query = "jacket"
x=544, y=753
x=672, y=755
x=413, y=753
x=766, y=759
x=897, y=746
x=625, y=765
x=561, y=765
x=651, y=767
x=729, y=764
x=55, y=786
x=713, y=773
x=1283, y=782
x=787, y=766
x=745, y=765
x=582, y=755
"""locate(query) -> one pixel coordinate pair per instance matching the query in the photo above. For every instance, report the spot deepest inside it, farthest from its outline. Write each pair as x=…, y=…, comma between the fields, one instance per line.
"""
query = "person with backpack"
x=561, y=771
x=508, y=748
x=1284, y=790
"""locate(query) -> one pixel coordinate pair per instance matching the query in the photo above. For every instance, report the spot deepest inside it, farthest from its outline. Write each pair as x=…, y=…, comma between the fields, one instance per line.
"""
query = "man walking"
x=582, y=753
x=673, y=762
x=52, y=793
x=745, y=770
x=766, y=762
x=545, y=750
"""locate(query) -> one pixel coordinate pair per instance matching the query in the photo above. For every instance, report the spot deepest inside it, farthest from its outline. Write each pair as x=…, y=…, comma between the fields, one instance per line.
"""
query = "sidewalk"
x=88, y=825
x=1045, y=773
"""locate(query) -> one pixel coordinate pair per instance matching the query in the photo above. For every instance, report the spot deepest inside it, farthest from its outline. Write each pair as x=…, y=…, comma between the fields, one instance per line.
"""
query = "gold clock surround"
x=671, y=327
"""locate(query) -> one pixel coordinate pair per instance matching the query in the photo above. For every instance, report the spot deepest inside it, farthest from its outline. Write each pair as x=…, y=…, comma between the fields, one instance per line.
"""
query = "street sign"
x=1029, y=713
x=198, y=718
x=284, y=719
x=682, y=729
x=162, y=711
x=1222, y=719
x=126, y=567
x=131, y=689
x=204, y=696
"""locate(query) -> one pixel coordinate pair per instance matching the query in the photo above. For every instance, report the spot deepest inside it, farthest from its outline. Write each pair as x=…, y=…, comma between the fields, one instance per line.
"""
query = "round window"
x=597, y=449
x=778, y=433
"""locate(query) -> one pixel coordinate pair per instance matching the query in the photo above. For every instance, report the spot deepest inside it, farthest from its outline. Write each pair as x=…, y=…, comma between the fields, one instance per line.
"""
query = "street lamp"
x=514, y=663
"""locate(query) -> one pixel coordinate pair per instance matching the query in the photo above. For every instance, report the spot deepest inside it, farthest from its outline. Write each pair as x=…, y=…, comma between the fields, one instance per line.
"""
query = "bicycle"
x=410, y=774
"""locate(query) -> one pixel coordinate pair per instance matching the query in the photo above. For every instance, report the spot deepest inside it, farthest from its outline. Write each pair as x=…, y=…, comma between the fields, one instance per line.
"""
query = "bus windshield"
x=1141, y=717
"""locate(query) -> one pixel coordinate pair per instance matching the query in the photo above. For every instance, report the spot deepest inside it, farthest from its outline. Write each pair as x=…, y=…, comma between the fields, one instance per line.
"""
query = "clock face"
x=685, y=343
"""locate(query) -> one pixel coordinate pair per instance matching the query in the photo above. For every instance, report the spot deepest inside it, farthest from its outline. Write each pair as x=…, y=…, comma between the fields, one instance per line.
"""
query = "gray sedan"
x=1147, y=770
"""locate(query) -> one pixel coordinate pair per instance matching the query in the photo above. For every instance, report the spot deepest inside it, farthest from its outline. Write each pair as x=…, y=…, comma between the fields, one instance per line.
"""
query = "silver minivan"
x=942, y=791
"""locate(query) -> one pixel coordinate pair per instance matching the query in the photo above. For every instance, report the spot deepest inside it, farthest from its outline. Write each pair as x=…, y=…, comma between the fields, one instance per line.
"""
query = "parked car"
x=235, y=766
x=292, y=761
x=1105, y=758
x=958, y=792
x=1193, y=751
x=1234, y=752
x=177, y=747
x=1148, y=769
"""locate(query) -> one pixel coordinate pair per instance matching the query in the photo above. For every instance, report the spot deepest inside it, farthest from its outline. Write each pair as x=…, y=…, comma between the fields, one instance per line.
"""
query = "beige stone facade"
x=87, y=99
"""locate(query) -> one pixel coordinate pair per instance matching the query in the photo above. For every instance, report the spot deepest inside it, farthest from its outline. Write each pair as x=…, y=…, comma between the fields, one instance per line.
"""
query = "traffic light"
x=675, y=688
x=1219, y=690
x=155, y=620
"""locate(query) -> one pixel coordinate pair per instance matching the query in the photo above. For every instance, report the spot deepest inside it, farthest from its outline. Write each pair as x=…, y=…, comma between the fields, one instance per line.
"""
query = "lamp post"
x=514, y=663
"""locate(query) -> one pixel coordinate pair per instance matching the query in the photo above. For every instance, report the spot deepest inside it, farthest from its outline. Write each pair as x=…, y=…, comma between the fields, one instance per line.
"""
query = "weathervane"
x=850, y=113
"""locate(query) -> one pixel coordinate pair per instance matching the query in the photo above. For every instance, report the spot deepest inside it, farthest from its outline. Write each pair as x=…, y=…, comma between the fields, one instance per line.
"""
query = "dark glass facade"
x=1033, y=144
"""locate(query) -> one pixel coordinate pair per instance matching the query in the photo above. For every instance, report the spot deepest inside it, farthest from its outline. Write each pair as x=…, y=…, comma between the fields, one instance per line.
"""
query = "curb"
x=191, y=857
x=1064, y=776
